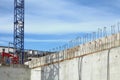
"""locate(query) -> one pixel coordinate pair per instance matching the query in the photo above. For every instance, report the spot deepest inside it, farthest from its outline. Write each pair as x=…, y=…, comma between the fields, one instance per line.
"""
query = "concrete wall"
x=95, y=46
x=36, y=74
x=103, y=65
x=96, y=60
x=10, y=73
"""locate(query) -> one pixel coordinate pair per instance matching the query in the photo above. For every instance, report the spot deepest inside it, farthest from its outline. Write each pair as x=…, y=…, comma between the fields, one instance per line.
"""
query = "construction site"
x=94, y=56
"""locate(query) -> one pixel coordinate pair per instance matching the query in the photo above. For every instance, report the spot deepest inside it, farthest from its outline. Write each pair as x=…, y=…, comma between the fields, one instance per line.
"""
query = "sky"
x=52, y=23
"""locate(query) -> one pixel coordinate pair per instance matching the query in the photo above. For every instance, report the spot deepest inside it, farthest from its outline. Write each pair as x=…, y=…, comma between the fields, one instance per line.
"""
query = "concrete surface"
x=96, y=60
x=36, y=74
x=104, y=65
x=10, y=73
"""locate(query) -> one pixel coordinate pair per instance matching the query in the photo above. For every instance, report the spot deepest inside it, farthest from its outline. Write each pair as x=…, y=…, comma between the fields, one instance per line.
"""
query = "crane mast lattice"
x=19, y=29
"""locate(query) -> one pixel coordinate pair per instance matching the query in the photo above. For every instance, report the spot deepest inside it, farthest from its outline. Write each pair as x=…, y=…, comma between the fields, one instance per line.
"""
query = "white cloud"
x=52, y=40
x=8, y=39
x=59, y=17
x=45, y=19
x=62, y=28
x=6, y=24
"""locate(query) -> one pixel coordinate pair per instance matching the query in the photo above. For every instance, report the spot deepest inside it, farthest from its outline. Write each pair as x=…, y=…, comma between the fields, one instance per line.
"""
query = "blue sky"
x=52, y=23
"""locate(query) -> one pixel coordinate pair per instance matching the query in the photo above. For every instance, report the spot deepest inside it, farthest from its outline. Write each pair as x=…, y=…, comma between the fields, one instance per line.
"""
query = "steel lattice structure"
x=19, y=29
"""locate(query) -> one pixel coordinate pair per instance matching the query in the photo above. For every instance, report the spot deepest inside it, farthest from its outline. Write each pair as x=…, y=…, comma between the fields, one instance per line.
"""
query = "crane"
x=19, y=29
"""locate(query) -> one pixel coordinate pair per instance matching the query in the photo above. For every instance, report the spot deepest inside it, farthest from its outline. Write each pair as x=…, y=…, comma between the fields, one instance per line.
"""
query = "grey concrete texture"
x=14, y=73
x=96, y=60
x=104, y=65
